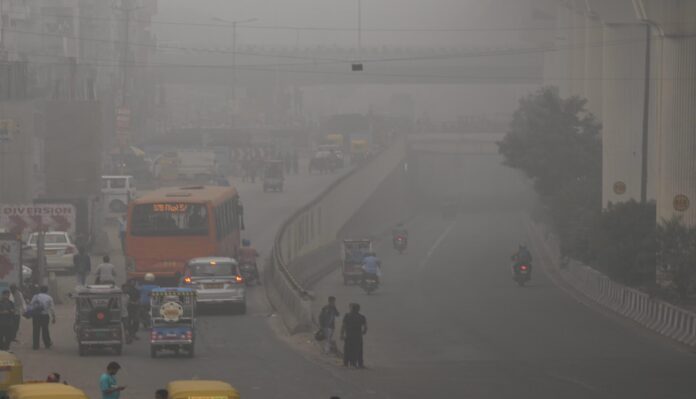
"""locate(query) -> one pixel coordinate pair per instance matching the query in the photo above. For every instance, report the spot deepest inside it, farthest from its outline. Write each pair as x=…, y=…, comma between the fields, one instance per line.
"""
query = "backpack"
x=33, y=309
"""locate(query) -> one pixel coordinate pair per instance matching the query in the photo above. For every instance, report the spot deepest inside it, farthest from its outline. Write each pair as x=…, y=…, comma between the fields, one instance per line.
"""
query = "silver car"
x=216, y=280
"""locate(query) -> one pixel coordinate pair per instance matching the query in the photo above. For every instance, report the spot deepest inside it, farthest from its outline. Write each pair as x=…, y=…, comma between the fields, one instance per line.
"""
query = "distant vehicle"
x=336, y=151
x=168, y=227
x=353, y=252
x=186, y=165
x=58, y=248
x=118, y=191
x=216, y=280
x=273, y=178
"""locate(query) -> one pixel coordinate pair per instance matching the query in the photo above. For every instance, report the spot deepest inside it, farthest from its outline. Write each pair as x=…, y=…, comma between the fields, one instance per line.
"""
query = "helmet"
x=149, y=277
x=246, y=242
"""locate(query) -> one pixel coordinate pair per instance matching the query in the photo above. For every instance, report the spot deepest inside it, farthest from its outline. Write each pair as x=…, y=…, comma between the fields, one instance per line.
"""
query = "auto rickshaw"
x=353, y=252
x=11, y=372
x=45, y=390
x=273, y=178
x=204, y=389
x=98, y=314
x=172, y=311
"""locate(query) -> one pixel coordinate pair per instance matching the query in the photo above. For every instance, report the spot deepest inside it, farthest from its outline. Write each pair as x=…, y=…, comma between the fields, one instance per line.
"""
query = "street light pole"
x=234, y=54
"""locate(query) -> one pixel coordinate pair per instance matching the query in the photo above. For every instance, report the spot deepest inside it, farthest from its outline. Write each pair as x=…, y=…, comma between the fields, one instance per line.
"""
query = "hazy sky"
x=377, y=14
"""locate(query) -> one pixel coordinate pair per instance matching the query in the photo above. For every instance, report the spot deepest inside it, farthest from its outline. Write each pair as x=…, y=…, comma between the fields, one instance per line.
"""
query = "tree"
x=676, y=254
x=623, y=241
x=554, y=141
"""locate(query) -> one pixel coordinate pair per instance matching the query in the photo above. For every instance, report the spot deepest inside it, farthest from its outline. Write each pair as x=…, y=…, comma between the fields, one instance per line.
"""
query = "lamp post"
x=234, y=24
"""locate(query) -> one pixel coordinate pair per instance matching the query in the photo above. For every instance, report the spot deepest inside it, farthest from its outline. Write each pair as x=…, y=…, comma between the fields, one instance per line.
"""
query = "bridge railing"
x=315, y=227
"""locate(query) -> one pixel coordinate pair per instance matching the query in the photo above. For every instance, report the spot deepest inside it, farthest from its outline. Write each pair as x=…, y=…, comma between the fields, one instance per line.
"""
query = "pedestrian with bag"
x=327, y=322
x=20, y=307
x=352, y=330
x=83, y=265
x=41, y=310
x=7, y=311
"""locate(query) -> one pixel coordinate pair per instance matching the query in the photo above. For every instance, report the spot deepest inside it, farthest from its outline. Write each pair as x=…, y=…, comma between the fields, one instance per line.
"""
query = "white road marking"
x=435, y=246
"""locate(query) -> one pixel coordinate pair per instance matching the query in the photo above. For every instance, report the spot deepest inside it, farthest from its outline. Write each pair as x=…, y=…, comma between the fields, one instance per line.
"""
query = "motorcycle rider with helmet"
x=399, y=231
x=248, y=255
x=521, y=257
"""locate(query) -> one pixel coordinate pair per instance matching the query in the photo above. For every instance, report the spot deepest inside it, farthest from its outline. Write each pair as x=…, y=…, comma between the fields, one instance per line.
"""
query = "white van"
x=118, y=191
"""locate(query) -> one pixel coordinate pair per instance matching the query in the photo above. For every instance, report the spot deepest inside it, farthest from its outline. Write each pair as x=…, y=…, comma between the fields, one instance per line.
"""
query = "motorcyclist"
x=371, y=267
x=522, y=256
x=248, y=255
x=399, y=231
x=145, y=290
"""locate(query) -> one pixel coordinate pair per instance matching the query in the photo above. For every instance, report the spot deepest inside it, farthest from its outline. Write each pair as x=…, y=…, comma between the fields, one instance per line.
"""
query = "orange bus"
x=170, y=226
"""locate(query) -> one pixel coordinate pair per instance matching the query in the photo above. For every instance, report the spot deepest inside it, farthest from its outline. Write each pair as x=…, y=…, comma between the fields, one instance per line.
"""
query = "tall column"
x=623, y=76
x=676, y=141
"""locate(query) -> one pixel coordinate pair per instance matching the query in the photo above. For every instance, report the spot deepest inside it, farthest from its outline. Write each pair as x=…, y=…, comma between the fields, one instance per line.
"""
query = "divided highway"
x=449, y=322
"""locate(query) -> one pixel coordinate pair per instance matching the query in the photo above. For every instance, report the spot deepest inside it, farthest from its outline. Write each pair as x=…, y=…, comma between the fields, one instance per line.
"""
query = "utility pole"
x=234, y=54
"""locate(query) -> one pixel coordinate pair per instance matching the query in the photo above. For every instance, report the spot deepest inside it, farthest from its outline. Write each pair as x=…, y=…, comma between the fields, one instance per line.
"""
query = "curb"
x=653, y=314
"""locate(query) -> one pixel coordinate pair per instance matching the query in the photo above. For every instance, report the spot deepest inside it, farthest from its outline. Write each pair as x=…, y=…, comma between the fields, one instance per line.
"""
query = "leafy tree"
x=553, y=140
x=623, y=241
x=676, y=254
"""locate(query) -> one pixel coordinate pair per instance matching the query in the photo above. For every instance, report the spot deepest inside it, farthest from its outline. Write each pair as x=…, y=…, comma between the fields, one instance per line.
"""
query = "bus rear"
x=163, y=235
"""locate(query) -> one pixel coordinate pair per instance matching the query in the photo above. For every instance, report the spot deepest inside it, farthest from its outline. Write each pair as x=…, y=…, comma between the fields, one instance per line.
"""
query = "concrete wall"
x=309, y=236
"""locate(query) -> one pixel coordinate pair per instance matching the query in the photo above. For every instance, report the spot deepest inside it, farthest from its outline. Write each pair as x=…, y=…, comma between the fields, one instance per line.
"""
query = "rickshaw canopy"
x=11, y=371
x=45, y=390
x=201, y=389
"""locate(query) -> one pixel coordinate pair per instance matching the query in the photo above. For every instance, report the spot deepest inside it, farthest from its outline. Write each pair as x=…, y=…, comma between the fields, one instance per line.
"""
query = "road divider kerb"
x=654, y=314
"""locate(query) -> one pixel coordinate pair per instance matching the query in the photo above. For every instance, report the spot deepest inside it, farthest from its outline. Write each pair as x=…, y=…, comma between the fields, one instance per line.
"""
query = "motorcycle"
x=400, y=243
x=370, y=283
x=523, y=273
x=249, y=272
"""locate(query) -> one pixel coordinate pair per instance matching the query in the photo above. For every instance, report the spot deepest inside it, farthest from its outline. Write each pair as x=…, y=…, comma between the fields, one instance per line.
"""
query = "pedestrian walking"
x=327, y=322
x=132, y=305
x=107, y=382
x=295, y=162
x=20, y=307
x=42, y=313
x=105, y=272
x=83, y=265
x=122, y=227
x=7, y=311
x=352, y=330
x=161, y=394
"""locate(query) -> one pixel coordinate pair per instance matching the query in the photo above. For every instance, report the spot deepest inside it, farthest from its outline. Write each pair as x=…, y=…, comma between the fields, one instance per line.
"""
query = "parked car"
x=58, y=249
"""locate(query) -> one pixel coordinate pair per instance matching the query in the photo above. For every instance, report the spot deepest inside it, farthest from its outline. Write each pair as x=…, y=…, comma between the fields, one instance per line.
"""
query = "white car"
x=216, y=281
x=58, y=248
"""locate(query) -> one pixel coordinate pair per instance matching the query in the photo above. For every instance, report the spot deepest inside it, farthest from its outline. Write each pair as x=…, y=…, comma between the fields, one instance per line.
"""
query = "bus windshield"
x=169, y=219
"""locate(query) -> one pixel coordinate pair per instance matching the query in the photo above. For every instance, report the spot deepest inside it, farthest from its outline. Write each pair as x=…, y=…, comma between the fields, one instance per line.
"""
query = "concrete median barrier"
x=659, y=316
x=305, y=247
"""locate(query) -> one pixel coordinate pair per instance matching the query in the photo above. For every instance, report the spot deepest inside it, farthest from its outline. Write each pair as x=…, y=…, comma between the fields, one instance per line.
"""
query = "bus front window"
x=169, y=219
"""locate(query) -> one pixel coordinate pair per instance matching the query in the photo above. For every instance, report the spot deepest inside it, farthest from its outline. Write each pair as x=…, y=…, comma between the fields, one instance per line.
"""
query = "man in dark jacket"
x=327, y=322
x=7, y=312
x=352, y=331
x=83, y=265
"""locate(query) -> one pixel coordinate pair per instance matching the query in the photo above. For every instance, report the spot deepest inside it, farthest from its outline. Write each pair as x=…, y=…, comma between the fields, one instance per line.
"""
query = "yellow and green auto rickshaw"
x=10, y=372
x=45, y=390
x=201, y=389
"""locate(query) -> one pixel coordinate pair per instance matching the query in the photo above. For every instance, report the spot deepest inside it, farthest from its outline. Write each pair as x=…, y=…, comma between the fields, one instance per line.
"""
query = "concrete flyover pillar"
x=623, y=74
x=676, y=105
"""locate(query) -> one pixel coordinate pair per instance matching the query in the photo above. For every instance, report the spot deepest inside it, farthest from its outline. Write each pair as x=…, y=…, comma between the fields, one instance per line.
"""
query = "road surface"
x=244, y=350
x=449, y=322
